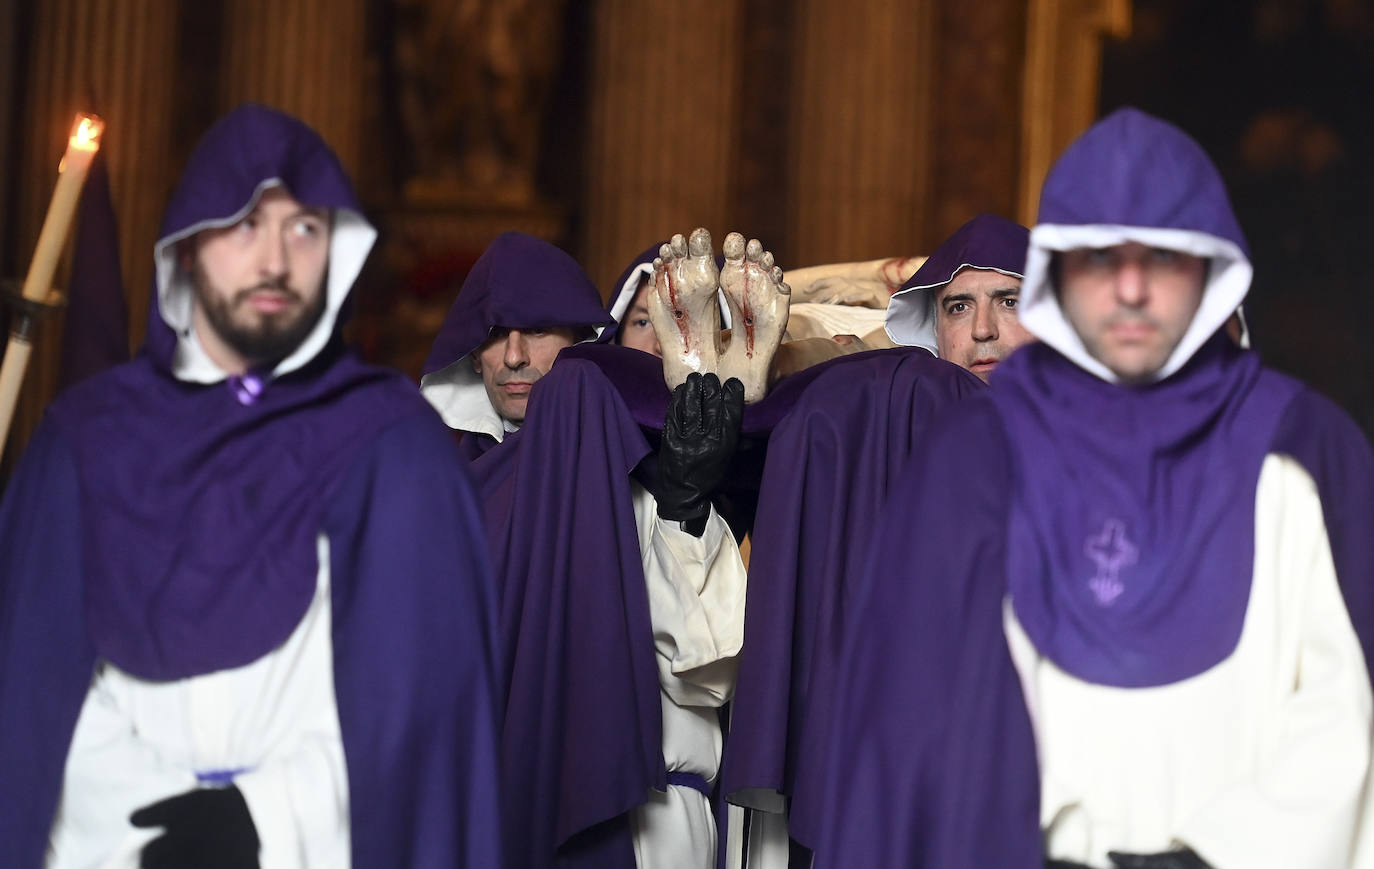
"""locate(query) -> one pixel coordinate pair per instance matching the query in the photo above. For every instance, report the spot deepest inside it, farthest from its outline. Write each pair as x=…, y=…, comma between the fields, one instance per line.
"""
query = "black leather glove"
x=208, y=827
x=1184, y=859
x=700, y=435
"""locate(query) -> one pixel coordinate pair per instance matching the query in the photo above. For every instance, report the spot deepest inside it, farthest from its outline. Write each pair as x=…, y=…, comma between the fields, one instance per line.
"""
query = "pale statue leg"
x=683, y=307
x=758, y=300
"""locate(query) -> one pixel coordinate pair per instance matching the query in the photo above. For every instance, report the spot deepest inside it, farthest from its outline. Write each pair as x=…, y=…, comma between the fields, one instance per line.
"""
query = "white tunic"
x=137, y=742
x=696, y=592
x=1261, y=761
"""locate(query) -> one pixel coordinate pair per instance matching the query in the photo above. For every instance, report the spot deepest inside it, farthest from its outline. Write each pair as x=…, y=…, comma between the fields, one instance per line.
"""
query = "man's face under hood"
x=511, y=360
x=976, y=325
x=259, y=284
x=1130, y=304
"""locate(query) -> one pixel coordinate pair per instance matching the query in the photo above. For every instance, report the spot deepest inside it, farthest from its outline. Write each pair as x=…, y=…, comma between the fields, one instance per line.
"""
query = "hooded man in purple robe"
x=523, y=302
x=248, y=617
x=1143, y=638
x=961, y=304
x=648, y=628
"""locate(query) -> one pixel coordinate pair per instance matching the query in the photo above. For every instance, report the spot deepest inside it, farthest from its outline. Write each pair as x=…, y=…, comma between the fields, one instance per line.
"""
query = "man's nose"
x=517, y=351
x=1132, y=283
x=273, y=262
x=984, y=323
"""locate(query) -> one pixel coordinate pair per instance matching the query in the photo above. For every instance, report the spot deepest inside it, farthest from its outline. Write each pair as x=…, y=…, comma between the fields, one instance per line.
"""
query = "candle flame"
x=86, y=133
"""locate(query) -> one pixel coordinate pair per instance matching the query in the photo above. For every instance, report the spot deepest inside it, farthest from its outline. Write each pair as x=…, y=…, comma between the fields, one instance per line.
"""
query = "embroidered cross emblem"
x=1110, y=551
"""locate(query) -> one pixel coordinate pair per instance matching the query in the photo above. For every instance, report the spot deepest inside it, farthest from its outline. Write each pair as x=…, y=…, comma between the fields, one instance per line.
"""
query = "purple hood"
x=1133, y=177
x=519, y=282
x=200, y=513
x=1131, y=525
x=246, y=152
x=985, y=242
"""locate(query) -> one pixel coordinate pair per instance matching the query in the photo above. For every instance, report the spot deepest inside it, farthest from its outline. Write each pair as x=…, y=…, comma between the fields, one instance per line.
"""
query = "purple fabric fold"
x=929, y=761
x=203, y=512
x=638, y=378
x=583, y=735
x=930, y=745
x=1129, y=561
x=1333, y=449
x=421, y=753
x=831, y=465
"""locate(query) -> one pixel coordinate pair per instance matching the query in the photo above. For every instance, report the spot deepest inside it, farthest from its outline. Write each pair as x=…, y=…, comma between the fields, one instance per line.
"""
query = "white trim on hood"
x=910, y=319
x=627, y=290
x=351, y=238
x=457, y=392
x=1228, y=280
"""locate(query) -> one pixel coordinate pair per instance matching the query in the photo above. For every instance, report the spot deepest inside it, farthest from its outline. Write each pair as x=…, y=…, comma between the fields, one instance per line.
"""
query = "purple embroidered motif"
x=247, y=388
x=1110, y=551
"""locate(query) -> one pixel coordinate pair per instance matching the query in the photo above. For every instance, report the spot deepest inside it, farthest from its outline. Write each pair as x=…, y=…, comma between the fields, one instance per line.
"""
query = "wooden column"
x=1062, y=82
x=665, y=87
x=980, y=57
x=117, y=56
x=305, y=57
x=860, y=130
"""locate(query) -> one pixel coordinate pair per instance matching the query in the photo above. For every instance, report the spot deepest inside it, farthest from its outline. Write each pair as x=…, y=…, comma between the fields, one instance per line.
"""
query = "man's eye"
x=1163, y=255
x=307, y=228
x=1010, y=302
x=956, y=308
x=1099, y=256
x=642, y=323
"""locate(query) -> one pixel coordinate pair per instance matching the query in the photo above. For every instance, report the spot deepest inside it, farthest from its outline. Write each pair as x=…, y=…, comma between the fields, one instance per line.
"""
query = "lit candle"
x=81, y=148
x=71, y=175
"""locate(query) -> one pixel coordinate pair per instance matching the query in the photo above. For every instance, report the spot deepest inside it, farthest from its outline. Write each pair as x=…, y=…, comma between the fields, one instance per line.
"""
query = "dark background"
x=1277, y=92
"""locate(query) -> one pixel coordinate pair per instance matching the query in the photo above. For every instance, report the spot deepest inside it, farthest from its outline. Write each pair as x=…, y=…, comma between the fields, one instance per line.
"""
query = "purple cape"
x=582, y=744
x=167, y=528
x=1129, y=561
x=924, y=761
x=420, y=752
x=582, y=738
x=831, y=465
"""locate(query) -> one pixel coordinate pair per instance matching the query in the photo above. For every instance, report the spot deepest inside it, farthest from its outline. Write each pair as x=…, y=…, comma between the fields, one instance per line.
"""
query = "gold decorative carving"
x=473, y=78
